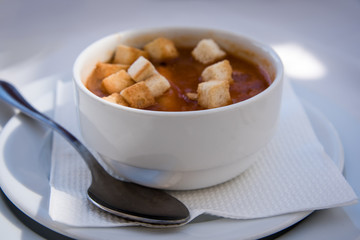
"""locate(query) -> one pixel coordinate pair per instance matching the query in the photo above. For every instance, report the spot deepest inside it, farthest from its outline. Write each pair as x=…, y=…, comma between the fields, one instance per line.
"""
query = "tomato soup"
x=184, y=75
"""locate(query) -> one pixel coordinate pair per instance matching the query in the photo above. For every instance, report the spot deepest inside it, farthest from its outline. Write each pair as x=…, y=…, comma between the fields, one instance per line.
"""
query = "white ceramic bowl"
x=178, y=150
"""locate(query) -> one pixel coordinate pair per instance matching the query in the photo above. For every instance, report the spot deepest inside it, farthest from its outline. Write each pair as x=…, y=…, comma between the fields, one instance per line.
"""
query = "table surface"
x=318, y=42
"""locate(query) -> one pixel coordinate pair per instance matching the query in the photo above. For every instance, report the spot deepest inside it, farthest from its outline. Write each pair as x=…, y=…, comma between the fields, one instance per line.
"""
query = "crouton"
x=128, y=55
x=192, y=96
x=141, y=69
x=207, y=51
x=157, y=85
x=116, y=98
x=218, y=71
x=213, y=94
x=138, y=95
x=117, y=82
x=102, y=70
x=161, y=49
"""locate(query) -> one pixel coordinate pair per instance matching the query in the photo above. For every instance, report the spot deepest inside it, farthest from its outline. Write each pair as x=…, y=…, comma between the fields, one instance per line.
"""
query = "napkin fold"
x=292, y=173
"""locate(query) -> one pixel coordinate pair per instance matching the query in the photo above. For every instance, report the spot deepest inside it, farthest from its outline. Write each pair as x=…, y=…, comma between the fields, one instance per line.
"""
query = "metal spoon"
x=128, y=200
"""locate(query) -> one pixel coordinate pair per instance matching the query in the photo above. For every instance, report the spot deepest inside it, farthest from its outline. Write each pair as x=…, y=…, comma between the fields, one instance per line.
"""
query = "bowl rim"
x=263, y=47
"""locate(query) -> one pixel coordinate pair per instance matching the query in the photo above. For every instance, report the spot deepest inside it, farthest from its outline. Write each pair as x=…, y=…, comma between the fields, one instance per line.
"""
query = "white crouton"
x=213, y=94
x=161, y=49
x=219, y=71
x=141, y=69
x=116, y=98
x=192, y=96
x=207, y=51
x=102, y=70
x=117, y=82
x=128, y=55
x=157, y=85
x=138, y=95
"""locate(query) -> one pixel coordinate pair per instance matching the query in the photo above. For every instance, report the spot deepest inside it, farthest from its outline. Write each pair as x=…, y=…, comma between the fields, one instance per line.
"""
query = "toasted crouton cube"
x=102, y=70
x=141, y=69
x=128, y=55
x=116, y=98
x=157, y=85
x=192, y=96
x=214, y=94
x=117, y=82
x=138, y=95
x=218, y=71
x=207, y=51
x=161, y=49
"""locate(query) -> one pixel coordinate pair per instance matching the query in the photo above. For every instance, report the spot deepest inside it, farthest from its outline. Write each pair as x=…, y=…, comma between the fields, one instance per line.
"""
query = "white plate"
x=25, y=148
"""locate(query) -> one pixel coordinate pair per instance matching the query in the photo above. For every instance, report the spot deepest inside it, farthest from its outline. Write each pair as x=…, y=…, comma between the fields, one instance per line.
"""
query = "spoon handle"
x=10, y=95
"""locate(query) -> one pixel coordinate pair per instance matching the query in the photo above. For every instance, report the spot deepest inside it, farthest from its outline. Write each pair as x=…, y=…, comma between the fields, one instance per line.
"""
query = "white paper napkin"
x=293, y=173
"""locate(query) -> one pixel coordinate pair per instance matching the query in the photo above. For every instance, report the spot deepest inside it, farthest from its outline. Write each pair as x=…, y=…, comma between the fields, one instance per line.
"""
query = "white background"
x=318, y=41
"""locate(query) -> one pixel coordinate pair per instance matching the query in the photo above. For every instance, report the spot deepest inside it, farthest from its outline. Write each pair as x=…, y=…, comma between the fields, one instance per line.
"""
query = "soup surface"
x=184, y=75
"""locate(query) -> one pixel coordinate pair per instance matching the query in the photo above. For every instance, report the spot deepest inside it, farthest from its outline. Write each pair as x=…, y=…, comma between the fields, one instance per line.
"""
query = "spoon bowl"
x=147, y=206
